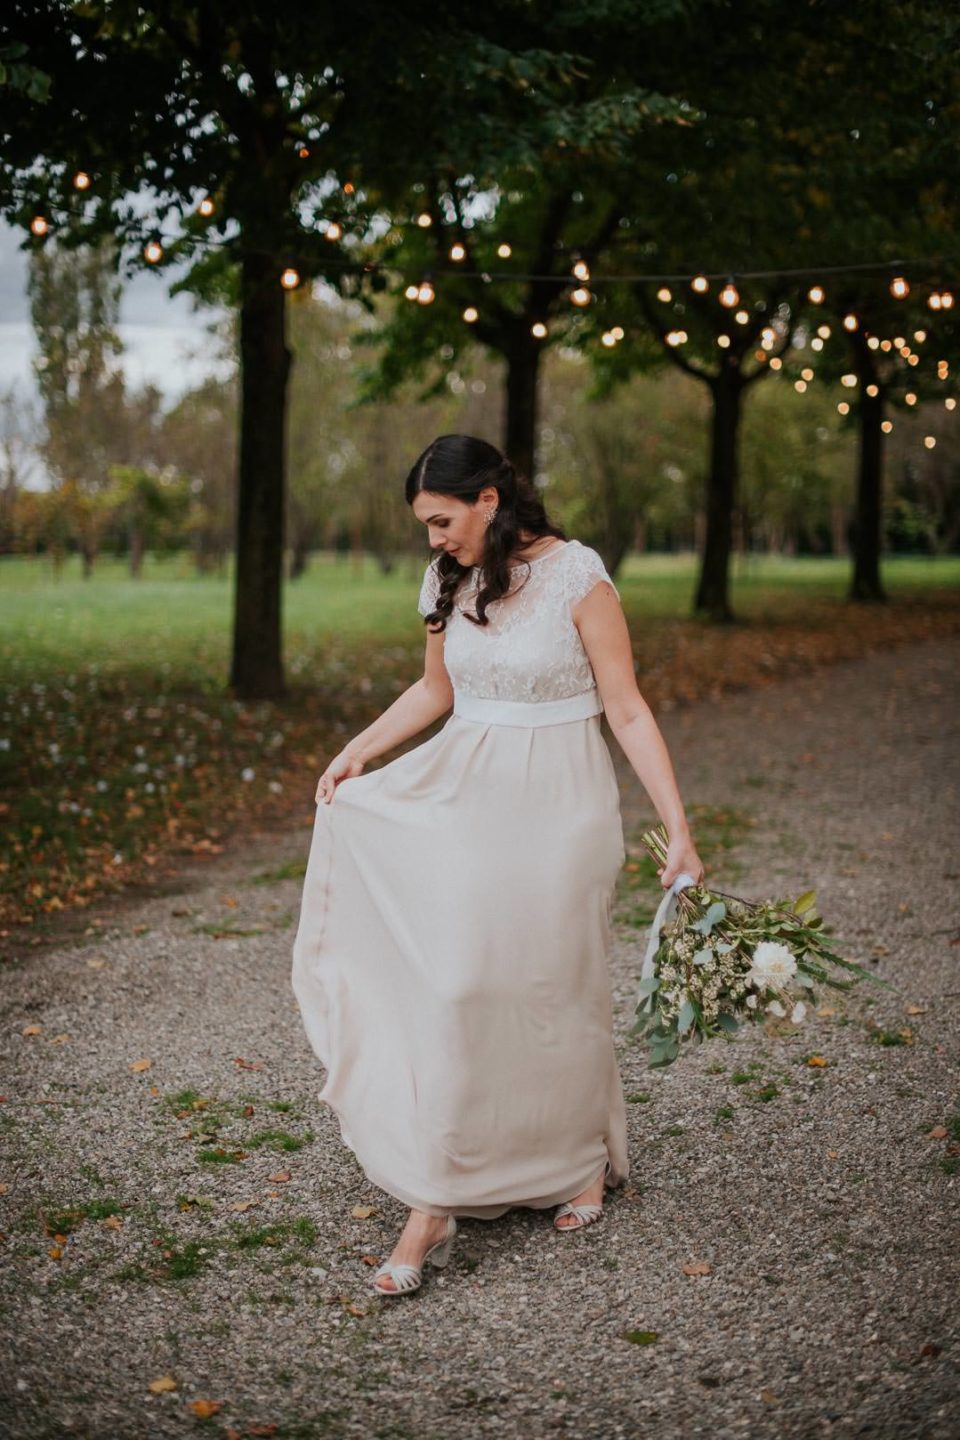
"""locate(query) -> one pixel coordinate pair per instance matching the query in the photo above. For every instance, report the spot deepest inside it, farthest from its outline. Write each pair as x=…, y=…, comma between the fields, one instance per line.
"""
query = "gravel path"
x=821, y=1198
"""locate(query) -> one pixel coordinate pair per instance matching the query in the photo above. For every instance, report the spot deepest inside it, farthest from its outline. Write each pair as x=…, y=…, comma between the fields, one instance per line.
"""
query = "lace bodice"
x=531, y=650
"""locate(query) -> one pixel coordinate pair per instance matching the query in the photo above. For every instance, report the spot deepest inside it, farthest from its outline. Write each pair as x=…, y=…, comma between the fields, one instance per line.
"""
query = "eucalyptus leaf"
x=728, y=1023
x=686, y=1017
x=703, y=957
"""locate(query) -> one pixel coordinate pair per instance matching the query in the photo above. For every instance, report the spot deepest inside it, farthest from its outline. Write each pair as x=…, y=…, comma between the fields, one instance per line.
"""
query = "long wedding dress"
x=451, y=958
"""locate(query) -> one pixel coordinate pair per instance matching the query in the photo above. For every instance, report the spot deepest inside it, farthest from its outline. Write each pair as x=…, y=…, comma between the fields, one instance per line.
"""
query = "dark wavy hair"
x=461, y=466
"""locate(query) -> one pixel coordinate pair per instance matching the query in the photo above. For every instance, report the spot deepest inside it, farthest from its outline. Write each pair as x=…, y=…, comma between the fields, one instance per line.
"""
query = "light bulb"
x=206, y=207
x=816, y=343
x=910, y=398
x=886, y=426
x=723, y=341
x=776, y=363
x=608, y=339
x=946, y=300
x=824, y=332
x=504, y=251
x=334, y=230
x=81, y=181
x=458, y=251
x=800, y=386
x=424, y=220
x=741, y=317
x=843, y=408
x=152, y=252
x=700, y=283
x=426, y=293
x=729, y=295
x=38, y=225
x=919, y=336
x=873, y=390
x=582, y=270
x=411, y=292
x=290, y=278
x=304, y=152
x=816, y=295
x=807, y=374
x=617, y=332
x=538, y=329
x=850, y=322
x=929, y=441
x=664, y=295
x=899, y=288
x=848, y=380
x=950, y=403
x=470, y=315
x=935, y=300
x=580, y=296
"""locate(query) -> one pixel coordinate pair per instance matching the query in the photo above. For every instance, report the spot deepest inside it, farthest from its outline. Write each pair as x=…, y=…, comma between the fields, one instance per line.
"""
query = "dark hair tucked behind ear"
x=461, y=466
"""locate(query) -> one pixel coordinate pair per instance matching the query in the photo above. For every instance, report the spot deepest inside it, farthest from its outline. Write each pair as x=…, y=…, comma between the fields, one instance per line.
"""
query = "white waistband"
x=528, y=712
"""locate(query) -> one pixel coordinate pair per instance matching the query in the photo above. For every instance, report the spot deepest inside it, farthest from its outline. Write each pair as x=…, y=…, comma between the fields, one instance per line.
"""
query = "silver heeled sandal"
x=409, y=1277
x=586, y=1215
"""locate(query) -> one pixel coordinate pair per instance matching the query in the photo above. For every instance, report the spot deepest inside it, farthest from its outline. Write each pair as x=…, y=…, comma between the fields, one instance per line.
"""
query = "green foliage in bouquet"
x=723, y=959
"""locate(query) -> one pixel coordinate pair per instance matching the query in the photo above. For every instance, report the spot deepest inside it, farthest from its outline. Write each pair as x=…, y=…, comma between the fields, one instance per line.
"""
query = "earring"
x=488, y=516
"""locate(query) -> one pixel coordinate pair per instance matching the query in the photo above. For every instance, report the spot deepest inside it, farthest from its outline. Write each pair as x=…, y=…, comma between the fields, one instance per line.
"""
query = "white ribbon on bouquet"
x=664, y=915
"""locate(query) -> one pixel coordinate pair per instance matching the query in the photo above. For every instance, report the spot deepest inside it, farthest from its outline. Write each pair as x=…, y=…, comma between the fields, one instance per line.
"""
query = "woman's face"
x=455, y=526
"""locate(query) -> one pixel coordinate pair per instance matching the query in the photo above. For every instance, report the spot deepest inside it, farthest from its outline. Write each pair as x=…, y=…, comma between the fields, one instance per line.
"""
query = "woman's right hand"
x=344, y=767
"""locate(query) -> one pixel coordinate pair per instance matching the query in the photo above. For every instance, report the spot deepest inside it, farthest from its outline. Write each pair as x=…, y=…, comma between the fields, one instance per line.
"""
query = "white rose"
x=798, y=1012
x=772, y=964
x=775, y=1008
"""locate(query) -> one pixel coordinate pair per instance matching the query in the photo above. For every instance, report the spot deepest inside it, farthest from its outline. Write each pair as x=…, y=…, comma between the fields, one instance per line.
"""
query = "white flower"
x=798, y=1012
x=772, y=964
x=775, y=1008
x=751, y=1002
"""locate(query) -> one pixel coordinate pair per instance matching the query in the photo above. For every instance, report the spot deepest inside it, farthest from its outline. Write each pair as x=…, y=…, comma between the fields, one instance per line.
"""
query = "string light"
x=816, y=343
x=700, y=284
x=304, y=152
x=290, y=278
x=206, y=207
x=617, y=332
x=424, y=220
x=582, y=270
x=873, y=390
x=929, y=441
x=776, y=363
x=504, y=251
x=81, y=181
x=800, y=386
x=885, y=346
x=807, y=374
x=850, y=322
x=38, y=225
x=664, y=295
x=677, y=337
x=348, y=188
x=886, y=426
x=412, y=291
x=824, y=332
x=919, y=336
x=334, y=230
x=950, y=403
x=946, y=300
x=470, y=315
x=729, y=295
x=458, y=251
x=913, y=359
x=153, y=252
x=609, y=339
x=539, y=330
x=848, y=380
x=426, y=293
x=843, y=408
x=741, y=317
x=816, y=295
x=899, y=288
x=910, y=398
x=935, y=300
x=874, y=344
x=580, y=296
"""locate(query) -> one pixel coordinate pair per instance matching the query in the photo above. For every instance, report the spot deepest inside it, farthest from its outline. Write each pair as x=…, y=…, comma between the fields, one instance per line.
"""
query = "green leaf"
x=703, y=957
x=641, y=1337
x=649, y=985
x=729, y=1023
x=685, y=1018
x=807, y=901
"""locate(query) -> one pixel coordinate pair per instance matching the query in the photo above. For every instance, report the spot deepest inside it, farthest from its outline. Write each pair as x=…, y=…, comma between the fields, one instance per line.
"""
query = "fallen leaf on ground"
x=243, y=1204
x=140, y=1065
x=697, y=1267
x=203, y=1409
x=915, y=1009
x=363, y=1212
x=159, y=1387
x=939, y=1132
x=248, y=1064
x=114, y=1222
x=32, y=1030
x=370, y=1259
x=279, y=1176
x=768, y=1397
x=816, y=1060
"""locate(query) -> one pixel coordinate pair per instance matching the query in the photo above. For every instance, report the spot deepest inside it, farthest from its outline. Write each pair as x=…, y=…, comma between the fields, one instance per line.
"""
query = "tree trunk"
x=712, y=596
x=868, y=516
x=257, y=667
x=523, y=363
x=136, y=550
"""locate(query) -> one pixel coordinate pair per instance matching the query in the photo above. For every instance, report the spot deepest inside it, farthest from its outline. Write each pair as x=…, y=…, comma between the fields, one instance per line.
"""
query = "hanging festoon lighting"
x=946, y=300
x=700, y=284
x=81, y=181
x=458, y=252
x=723, y=341
x=851, y=323
x=424, y=219
x=504, y=251
x=290, y=278
x=899, y=288
x=617, y=332
x=426, y=293
x=412, y=291
x=153, y=252
x=471, y=314
x=538, y=330
x=582, y=270
x=935, y=300
x=334, y=230
x=676, y=337
x=664, y=295
x=206, y=207
x=930, y=441
x=39, y=226
x=729, y=295
x=816, y=295
x=741, y=317
x=580, y=296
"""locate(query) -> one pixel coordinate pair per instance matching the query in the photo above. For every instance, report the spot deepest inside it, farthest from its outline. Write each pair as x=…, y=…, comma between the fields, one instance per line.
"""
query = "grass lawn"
x=119, y=747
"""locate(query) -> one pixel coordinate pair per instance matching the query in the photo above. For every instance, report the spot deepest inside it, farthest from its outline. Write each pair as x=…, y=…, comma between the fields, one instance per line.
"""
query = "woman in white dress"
x=451, y=959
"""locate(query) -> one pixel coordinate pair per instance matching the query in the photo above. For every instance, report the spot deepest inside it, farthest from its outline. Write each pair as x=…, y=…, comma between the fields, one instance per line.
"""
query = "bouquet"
x=722, y=960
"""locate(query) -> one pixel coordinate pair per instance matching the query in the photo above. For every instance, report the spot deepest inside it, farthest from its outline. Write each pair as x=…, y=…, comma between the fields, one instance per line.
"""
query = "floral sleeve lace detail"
x=429, y=590
x=583, y=570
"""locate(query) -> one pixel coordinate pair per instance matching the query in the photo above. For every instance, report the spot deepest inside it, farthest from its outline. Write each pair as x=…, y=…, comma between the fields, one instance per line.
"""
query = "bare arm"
x=603, y=629
x=420, y=704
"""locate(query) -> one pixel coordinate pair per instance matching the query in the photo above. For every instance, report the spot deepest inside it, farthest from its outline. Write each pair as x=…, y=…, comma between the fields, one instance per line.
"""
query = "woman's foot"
x=420, y=1232
x=593, y=1195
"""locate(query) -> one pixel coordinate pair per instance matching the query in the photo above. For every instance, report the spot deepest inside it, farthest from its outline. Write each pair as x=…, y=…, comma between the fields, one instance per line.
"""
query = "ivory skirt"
x=451, y=961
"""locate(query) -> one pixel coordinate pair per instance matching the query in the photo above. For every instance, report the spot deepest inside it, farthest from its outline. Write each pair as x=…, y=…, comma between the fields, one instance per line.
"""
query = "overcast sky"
x=165, y=340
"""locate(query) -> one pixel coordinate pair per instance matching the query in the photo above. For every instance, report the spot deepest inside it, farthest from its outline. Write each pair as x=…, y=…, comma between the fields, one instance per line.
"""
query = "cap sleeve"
x=584, y=570
x=429, y=590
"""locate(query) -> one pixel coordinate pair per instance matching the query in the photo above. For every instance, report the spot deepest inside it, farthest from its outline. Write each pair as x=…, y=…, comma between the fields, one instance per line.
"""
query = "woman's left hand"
x=682, y=859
